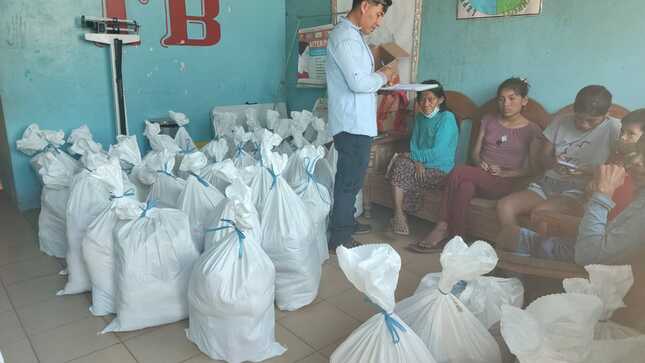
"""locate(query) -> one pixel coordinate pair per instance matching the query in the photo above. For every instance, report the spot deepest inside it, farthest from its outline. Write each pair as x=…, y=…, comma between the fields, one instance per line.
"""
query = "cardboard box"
x=388, y=54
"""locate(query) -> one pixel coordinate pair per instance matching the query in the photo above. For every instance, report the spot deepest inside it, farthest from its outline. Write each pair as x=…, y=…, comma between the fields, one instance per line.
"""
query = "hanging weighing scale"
x=115, y=33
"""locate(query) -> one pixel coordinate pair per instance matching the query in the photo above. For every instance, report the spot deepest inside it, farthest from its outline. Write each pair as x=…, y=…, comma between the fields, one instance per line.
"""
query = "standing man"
x=351, y=89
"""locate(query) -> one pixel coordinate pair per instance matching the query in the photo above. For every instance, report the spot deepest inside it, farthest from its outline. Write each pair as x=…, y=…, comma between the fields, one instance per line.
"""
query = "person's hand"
x=607, y=179
x=484, y=165
x=494, y=169
x=420, y=172
x=390, y=74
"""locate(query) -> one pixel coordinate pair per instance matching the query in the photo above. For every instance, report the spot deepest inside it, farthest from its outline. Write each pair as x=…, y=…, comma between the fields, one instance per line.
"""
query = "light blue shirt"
x=351, y=82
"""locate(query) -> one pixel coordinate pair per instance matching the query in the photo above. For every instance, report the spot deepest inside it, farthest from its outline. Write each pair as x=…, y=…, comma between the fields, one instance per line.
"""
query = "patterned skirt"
x=402, y=174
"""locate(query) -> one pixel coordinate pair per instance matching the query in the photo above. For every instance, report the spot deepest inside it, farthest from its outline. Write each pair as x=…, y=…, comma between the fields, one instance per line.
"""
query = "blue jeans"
x=353, y=159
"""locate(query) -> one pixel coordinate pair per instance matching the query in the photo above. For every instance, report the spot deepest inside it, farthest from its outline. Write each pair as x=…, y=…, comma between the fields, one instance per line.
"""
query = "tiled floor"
x=38, y=326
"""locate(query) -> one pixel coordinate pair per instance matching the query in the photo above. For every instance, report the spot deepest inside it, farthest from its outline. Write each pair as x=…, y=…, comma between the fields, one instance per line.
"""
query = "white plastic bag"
x=252, y=122
x=610, y=284
x=98, y=243
x=262, y=177
x=287, y=239
x=315, y=196
x=82, y=142
x=154, y=257
x=231, y=294
x=199, y=199
x=89, y=196
x=374, y=270
x=451, y=332
x=166, y=187
x=158, y=141
x=554, y=328
x=322, y=136
x=618, y=351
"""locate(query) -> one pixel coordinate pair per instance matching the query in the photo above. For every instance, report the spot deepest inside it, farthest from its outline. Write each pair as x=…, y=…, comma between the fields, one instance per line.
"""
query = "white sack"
x=374, y=271
x=610, y=284
x=555, y=328
x=451, y=332
x=287, y=239
x=231, y=294
x=154, y=257
x=166, y=187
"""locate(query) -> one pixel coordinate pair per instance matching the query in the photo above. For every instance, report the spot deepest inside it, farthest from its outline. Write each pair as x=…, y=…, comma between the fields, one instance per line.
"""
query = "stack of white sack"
x=127, y=151
x=450, y=330
x=252, y=122
x=288, y=240
x=199, y=199
x=315, y=196
x=89, y=197
x=610, y=284
x=55, y=169
x=232, y=289
x=215, y=151
x=98, y=244
x=154, y=256
x=374, y=270
x=82, y=142
x=241, y=157
x=554, y=328
x=262, y=179
x=157, y=171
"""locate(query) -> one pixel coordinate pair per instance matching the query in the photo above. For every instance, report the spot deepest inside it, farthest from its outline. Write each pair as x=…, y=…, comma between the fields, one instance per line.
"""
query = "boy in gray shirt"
x=574, y=145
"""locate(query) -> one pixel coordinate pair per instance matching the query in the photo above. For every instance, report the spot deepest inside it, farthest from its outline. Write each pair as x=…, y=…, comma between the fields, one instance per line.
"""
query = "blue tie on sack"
x=309, y=169
x=166, y=171
x=188, y=150
x=274, y=176
x=128, y=193
x=240, y=235
x=149, y=206
x=239, y=149
x=200, y=179
x=391, y=323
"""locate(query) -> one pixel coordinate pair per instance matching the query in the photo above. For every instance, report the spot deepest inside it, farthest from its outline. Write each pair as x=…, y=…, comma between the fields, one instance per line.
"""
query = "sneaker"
x=360, y=228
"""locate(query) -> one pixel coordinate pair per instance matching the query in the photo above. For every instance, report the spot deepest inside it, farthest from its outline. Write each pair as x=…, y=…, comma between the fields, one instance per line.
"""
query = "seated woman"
x=501, y=155
x=598, y=241
x=432, y=155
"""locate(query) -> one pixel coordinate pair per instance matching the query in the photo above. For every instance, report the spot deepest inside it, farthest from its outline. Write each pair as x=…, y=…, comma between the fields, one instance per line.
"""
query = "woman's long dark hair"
x=438, y=92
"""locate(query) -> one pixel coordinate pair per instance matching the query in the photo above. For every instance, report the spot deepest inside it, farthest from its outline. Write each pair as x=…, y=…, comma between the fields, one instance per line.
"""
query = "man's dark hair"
x=386, y=4
x=592, y=100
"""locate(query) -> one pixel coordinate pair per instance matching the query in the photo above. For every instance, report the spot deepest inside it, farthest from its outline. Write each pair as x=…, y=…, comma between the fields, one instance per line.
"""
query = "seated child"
x=562, y=225
x=598, y=241
x=433, y=145
x=500, y=155
x=574, y=145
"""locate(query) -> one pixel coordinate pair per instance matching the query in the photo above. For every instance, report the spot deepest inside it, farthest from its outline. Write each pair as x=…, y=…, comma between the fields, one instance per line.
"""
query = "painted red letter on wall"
x=114, y=9
x=178, y=21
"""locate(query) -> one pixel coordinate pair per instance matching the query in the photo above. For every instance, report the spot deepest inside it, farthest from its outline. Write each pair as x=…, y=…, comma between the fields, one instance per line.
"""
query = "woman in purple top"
x=501, y=155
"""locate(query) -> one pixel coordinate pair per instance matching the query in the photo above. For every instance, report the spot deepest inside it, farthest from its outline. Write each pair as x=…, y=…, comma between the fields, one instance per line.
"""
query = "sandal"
x=400, y=228
x=426, y=247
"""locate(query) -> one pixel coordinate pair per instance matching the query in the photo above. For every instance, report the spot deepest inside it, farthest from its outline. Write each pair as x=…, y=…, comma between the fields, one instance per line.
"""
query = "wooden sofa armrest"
x=553, y=224
x=538, y=267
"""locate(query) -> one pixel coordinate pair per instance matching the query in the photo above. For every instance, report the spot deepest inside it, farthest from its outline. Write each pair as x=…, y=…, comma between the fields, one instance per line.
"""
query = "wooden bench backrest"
x=615, y=111
x=461, y=105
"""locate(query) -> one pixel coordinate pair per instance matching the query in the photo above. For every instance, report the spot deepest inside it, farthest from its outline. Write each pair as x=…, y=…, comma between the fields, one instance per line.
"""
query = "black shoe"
x=360, y=228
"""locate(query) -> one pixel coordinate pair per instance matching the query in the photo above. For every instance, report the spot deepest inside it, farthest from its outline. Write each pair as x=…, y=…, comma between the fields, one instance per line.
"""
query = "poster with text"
x=472, y=9
x=312, y=55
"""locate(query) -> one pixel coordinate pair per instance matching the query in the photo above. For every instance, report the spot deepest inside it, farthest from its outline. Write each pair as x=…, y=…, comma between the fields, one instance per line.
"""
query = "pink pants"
x=464, y=183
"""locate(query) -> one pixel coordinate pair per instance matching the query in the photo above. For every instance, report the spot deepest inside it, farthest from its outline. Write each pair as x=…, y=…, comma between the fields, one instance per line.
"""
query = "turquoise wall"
x=50, y=76
x=571, y=44
x=302, y=14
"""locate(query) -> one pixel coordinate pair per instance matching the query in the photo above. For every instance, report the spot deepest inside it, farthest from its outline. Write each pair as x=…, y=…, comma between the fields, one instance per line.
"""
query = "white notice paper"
x=409, y=87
